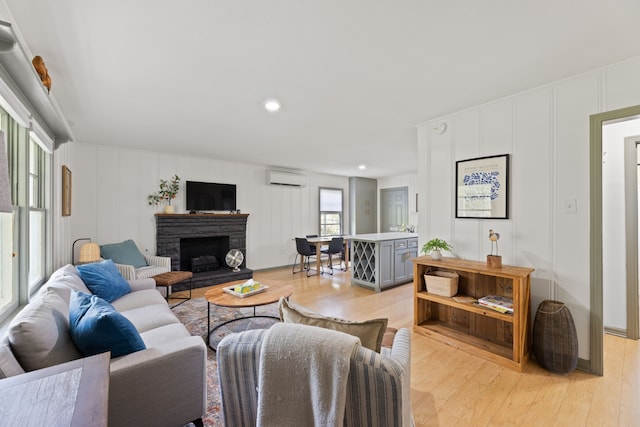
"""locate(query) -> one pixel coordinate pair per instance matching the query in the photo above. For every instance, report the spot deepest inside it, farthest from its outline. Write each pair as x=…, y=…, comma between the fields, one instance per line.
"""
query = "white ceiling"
x=354, y=76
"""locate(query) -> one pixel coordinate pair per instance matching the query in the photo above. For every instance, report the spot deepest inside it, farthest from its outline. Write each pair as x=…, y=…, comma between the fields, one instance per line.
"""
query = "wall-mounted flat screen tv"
x=210, y=196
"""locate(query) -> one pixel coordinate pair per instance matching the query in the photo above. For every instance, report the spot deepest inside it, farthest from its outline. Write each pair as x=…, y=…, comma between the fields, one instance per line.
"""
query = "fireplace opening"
x=204, y=263
x=201, y=254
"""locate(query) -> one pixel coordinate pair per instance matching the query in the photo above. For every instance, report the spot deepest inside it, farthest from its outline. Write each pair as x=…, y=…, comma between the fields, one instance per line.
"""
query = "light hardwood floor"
x=453, y=388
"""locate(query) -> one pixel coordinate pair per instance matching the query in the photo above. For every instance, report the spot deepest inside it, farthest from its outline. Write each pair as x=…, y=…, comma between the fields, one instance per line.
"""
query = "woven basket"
x=555, y=341
x=443, y=283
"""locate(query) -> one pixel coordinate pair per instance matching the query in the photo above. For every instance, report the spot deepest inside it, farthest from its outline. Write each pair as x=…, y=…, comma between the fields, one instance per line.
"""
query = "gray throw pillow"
x=39, y=334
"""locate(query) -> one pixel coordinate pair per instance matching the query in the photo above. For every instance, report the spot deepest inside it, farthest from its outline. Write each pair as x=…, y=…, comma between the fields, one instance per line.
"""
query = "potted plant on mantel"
x=167, y=192
x=434, y=248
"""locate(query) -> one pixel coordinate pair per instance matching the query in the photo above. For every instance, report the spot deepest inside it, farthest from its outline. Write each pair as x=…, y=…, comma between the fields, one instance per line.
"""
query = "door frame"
x=631, y=231
x=596, y=329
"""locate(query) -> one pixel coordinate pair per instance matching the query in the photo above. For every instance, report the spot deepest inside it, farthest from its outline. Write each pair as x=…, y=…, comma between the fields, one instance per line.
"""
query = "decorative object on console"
x=234, y=258
x=5, y=188
x=43, y=72
x=167, y=192
x=482, y=187
x=494, y=260
x=435, y=246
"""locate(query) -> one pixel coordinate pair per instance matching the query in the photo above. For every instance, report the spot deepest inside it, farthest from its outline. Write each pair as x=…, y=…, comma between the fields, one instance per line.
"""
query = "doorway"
x=394, y=209
x=596, y=329
x=620, y=226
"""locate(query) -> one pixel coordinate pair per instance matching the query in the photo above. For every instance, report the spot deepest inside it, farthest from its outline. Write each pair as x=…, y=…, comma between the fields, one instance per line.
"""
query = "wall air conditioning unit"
x=286, y=178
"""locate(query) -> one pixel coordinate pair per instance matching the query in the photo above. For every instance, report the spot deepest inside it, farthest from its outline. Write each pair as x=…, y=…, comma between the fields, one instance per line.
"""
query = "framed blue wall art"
x=482, y=187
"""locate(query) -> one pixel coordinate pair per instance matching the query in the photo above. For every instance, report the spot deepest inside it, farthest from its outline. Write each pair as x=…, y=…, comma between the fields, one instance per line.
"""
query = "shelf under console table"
x=72, y=394
x=481, y=331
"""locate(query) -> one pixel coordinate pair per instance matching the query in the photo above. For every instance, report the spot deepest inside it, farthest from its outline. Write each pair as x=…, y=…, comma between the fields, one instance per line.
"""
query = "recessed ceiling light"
x=362, y=167
x=272, y=105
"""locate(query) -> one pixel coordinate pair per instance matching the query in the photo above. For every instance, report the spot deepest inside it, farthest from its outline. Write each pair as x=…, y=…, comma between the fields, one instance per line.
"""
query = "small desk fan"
x=234, y=258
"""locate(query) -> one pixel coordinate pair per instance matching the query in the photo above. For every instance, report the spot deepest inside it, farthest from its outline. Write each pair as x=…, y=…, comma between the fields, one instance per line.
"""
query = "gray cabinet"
x=382, y=260
x=386, y=262
x=405, y=250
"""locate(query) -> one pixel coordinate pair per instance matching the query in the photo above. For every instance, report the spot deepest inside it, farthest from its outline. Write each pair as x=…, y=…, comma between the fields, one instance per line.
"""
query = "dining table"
x=325, y=240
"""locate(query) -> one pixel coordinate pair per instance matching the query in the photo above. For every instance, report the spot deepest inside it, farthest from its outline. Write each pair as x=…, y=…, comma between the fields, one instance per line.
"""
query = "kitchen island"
x=382, y=260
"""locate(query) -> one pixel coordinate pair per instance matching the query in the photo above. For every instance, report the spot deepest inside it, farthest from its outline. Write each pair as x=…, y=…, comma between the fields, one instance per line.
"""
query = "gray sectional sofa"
x=162, y=385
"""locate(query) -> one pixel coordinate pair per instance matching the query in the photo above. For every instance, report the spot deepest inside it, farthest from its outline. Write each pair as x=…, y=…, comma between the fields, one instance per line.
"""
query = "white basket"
x=443, y=283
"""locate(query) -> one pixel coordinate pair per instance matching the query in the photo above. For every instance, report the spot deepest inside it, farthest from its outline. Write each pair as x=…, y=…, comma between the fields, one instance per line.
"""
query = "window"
x=25, y=232
x=330, y=211
x=8, y=292
x=37, y=213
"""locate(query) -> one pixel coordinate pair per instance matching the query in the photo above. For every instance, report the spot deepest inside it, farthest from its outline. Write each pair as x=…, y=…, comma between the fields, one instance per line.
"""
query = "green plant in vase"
x=435, y=246
x=167, y=192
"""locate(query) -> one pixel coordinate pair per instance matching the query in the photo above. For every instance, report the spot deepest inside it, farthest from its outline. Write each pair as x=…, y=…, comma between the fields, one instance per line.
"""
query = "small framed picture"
x=482, y=187
x=66, y=191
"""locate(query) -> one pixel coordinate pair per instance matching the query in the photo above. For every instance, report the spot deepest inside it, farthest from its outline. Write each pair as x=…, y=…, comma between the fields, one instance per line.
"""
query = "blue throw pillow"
x=123, y=253
x=104, y=279
x=97, y=327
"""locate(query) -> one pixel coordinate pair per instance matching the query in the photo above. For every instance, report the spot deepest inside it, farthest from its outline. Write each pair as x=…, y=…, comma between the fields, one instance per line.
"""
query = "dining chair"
x=310, y=236
x=336, y=246
x=303, y=250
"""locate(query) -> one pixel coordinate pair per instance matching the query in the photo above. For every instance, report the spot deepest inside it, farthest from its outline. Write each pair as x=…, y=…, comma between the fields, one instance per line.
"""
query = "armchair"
x=377, y=385
x=156, y=265
x=131, y=263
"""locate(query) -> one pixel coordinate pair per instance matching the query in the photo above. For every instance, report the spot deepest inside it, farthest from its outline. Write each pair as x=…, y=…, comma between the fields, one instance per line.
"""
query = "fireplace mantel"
x=172, y=228
x=203, y=215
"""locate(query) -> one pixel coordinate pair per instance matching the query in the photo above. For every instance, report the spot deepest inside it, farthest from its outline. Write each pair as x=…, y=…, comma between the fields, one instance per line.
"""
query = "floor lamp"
x=89, y=252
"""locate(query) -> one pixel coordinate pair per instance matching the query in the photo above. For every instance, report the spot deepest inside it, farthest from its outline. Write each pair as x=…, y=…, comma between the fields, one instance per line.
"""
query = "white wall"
x=111, y=184
x=614, y=278
x=546, y=130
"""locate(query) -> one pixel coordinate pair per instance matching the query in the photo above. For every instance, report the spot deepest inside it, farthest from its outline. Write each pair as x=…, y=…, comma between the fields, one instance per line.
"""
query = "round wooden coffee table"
x=218, y=296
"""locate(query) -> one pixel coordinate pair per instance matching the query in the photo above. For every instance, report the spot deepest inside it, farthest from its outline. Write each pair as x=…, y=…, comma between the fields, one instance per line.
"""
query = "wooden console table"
x=501, y=338
x=70, y=394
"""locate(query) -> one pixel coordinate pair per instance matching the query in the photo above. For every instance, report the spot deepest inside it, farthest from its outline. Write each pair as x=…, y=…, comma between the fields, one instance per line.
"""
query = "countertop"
x=381, y=237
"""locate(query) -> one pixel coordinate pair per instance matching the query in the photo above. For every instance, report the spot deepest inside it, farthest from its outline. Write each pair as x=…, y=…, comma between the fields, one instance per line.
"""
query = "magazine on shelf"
x=498, y=303
x=464, y=298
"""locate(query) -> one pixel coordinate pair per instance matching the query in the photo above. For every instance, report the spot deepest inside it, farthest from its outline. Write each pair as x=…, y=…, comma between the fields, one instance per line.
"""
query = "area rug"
x=193, y=314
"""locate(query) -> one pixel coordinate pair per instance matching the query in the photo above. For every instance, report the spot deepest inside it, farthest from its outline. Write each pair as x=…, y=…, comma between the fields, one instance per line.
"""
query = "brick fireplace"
x=191, y=238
